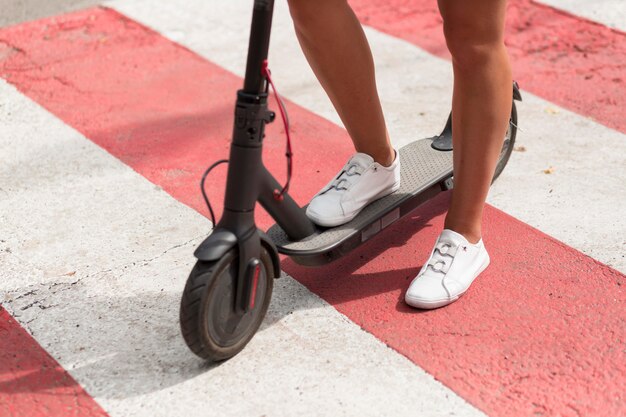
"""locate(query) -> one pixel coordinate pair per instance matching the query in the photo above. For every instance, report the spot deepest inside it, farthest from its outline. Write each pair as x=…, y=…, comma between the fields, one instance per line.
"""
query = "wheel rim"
x=225, y=327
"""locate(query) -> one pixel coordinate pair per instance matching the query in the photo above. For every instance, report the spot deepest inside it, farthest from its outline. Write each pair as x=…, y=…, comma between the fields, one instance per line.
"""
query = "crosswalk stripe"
x=575, y=203
x=107, y=133
x=610, y=13
x=32, y=383
x=94, y=261
x=572, y=62
x=98, y=256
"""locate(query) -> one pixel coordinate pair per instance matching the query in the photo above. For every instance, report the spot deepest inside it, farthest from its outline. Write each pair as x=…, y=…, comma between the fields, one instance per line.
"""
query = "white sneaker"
x=453, y=265
x=360, y=182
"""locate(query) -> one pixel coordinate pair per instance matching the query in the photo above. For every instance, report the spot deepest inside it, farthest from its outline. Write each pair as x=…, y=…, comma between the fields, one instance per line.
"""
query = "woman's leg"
x=481, y=104
x=335, y=46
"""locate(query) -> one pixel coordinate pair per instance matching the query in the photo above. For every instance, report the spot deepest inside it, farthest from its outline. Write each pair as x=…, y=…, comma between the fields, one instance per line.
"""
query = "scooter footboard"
x=424, y=172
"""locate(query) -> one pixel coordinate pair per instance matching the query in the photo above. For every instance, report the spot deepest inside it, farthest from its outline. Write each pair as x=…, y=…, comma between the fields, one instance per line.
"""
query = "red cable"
x=265, y=71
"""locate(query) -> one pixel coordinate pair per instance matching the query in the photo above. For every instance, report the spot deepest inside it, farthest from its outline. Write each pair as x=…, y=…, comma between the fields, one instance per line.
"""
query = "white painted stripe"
x=611, y=13
x=94, y=262
x=577, y=203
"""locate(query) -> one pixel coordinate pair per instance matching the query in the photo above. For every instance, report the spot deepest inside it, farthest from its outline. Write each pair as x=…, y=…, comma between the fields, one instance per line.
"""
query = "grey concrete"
x=94, y=259
x=17, y=11
x=578, y=203
x=611, y=13
x=94, y=256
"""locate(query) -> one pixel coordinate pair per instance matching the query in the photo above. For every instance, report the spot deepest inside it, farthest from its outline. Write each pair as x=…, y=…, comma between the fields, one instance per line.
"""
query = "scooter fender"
x=221, y=241
x=215, y=245
x=271, y=248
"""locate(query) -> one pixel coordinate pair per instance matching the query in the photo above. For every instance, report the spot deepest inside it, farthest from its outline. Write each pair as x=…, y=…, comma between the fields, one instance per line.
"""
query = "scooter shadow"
x=115, y=347
x=138, y=349
x=342, y=281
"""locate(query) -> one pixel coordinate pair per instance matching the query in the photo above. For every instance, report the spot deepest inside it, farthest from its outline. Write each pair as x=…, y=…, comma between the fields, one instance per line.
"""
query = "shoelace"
x=350, y=170
x=442, y=257
x=441, y=260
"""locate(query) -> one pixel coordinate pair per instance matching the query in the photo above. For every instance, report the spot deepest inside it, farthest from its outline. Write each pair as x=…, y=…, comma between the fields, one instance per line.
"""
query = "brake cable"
x=265, y=71
x=278, y=194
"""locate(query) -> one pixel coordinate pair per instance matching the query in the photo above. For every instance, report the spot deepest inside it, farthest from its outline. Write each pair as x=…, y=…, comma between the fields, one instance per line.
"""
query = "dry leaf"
x=549, y=170
x=71, y=274
x=519, y=149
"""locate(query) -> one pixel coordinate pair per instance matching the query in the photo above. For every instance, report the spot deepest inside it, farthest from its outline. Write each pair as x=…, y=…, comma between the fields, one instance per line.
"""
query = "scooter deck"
x=425, y=172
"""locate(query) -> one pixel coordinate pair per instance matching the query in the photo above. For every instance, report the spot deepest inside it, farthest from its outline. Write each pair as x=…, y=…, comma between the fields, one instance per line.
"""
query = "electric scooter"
x=229, y=289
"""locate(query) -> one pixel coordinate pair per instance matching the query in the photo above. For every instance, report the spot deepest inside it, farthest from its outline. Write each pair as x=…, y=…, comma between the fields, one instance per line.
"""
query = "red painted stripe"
x=573, y=62
x=541, y=331
x=32, y=383
x=157, y=124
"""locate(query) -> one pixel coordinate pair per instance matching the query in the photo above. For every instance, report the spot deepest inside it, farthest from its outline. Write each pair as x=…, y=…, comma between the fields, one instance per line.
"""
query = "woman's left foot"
x=453, y=265
x=361, y=181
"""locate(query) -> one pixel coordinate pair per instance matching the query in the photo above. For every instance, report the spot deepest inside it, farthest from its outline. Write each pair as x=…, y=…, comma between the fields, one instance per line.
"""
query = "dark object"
x=443, y=142
x=228, y=291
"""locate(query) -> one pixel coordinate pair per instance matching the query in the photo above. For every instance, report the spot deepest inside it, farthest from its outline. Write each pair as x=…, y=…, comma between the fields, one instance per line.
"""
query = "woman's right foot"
x=453, y=265
x=361, y=181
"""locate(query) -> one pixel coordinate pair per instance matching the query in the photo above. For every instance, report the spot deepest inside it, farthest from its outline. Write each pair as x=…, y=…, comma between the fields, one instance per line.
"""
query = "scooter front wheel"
x=211, y=327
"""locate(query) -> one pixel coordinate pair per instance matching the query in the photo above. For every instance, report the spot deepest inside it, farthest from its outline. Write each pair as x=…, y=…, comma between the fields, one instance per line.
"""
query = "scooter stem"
x=258, y=46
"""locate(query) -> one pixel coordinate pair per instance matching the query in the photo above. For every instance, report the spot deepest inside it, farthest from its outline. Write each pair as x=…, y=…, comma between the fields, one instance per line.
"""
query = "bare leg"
x=334, y=43
x=337, y=50
x=481, y=104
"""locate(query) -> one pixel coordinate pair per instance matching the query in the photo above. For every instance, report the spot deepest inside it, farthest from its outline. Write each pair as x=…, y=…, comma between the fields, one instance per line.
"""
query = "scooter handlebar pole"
x=258, y=46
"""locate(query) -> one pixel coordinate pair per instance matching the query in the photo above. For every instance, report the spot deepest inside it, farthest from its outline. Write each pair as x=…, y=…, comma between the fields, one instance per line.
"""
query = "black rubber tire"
x=509, y=144
x=213, y=282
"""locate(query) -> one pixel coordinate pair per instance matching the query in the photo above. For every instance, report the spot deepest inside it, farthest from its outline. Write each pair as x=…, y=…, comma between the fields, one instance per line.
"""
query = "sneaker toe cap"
x=324, y=209
x=426, y=292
